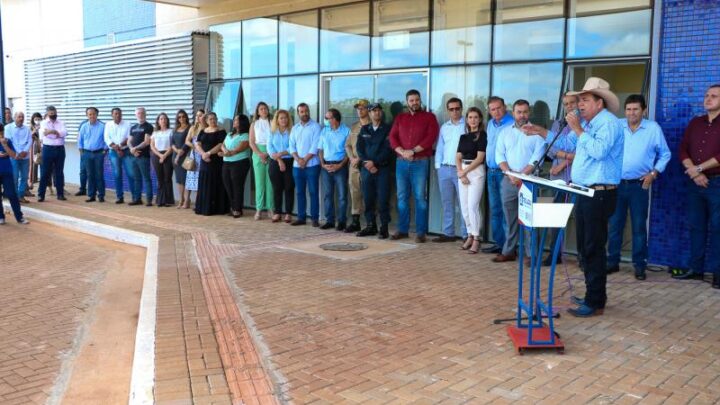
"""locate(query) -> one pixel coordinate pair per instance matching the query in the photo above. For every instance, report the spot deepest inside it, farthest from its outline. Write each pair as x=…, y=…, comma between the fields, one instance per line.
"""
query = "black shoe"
x=101, y=199
x=298, y=222
x=495, y=249
x=688, y=275
x=79, y=193
x=136, y=202
x=120, y=201
x=89, y=200
x=548, y=261
x=41, y=199
x=316, y=224
x=149, y=204
x=354, y=226
x=640, y=274
x=383, y=232
x=716, y=281
x=340, y=226
x=613, y=269
x=399, y=235
x=62, y=198
x=443, y=239
x=368, y=231
x=327, y=225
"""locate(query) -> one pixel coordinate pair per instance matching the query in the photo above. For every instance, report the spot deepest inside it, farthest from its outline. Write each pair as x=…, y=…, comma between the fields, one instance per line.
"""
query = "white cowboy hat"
x=600, y=88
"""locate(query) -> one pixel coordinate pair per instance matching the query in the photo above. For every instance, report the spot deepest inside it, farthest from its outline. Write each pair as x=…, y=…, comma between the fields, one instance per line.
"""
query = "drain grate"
x=343, y=246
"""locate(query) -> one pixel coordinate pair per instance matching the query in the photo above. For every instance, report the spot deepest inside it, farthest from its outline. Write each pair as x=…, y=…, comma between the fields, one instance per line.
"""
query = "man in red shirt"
x=700, y=155
x=412, y=137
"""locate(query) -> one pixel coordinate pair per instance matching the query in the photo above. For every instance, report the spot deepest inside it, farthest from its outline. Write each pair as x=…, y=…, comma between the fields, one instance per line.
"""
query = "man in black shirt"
x=139, y=142
x=374, y=151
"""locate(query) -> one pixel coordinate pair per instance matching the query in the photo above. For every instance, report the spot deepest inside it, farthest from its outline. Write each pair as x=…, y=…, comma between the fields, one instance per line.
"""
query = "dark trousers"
x=283, y=185
x=376, y=189
x=53, y=162
x=8, y=190
x=84, y=177
x=233, y=177
x=164, y=173
x=592, y=215
x=94, y=164
x=703, y=207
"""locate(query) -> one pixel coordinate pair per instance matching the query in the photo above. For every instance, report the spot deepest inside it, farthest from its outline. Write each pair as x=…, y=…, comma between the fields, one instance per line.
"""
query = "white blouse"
x=163, y=139
x=262, y=131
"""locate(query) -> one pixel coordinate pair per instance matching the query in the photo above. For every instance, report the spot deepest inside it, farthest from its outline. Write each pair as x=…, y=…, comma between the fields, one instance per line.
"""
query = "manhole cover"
x=343, y=246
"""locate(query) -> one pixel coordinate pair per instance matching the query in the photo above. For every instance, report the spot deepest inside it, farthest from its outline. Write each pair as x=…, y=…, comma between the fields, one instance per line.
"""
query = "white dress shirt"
x=117, y=133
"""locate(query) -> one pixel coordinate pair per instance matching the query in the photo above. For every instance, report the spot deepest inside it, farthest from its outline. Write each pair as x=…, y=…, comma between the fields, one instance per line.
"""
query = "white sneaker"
x=2, y=221
x=24, y=222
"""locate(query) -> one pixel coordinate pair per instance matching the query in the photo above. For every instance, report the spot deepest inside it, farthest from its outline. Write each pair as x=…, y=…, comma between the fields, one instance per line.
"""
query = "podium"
x=536, y=217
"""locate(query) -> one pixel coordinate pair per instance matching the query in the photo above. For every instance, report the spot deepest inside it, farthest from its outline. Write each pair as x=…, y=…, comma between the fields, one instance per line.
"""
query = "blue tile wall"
x=689, y=62
x=128, y=19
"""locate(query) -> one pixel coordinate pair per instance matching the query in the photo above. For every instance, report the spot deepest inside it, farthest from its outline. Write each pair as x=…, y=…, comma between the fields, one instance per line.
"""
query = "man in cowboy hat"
x=597, y=165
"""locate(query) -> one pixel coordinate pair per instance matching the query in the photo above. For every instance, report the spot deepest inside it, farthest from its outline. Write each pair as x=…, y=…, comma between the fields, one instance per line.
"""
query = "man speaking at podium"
x=597, y=165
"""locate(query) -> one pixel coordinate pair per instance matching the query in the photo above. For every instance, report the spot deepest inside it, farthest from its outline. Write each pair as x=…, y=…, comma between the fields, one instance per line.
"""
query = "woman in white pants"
x=470, y=162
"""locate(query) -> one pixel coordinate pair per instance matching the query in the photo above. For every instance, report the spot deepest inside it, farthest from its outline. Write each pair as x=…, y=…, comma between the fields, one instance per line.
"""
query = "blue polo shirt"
x=5, y=165
x=332, y=143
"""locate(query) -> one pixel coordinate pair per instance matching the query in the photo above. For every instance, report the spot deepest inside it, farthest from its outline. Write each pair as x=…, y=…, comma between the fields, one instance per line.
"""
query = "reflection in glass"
x=609, y=35
x=255, y=91
x=259, y=47
x=512, y=41
x=222, y=98
x=625, y=79
x=344, y=42
x=342, y=92
x=539, y=83
x=469, y=84
x=400, y=33
x=298, y=43
x=299, y=89
x=524, y=10
x=461, y=31
x=390, y=91
x=579, y=8
x=225, y=46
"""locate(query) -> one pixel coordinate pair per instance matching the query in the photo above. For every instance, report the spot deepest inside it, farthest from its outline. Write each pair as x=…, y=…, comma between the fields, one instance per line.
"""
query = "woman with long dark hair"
x=161, y=159
x=470, y=163
x=259, y=135
x=182, y=126
x=211, y=197
x=235, y=152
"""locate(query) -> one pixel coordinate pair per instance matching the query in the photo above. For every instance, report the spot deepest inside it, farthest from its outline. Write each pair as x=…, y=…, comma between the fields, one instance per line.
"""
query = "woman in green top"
x=235, y=152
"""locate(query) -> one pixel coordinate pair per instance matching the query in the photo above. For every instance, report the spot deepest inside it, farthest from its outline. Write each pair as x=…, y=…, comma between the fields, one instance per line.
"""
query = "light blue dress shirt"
x=493, y=131
x=599, y=152
x=517, y=149
x=92, y=137
x=332, y=142
x=645, y=150
x=304, y=139
x=278, y=142
x=566, y=142
x=447, y=143
x=21, y=138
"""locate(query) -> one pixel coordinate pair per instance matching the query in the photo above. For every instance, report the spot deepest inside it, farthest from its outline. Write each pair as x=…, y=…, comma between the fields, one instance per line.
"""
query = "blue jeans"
x=630, y=195
x=412, y=175
x=498, y=225
x=83, y=173
x=94, y=163
x=8, y=190
x=309, y=178
x=53, y=163
x=140, y=173
x=20, y=175
x=118, y=163
x=448, y=184
x=704, y=215
x=331, y=181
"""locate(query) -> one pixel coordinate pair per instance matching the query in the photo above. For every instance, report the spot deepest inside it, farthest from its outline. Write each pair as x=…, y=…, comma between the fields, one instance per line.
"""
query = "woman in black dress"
x=182, y=125
x=211, y=198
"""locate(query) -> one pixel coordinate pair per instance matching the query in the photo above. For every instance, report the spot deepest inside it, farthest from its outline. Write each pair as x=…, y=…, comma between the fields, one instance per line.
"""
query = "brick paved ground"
x=409, y=325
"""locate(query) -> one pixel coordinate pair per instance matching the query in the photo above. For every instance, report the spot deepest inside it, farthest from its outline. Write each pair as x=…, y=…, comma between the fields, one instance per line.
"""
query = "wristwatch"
x=698, y=169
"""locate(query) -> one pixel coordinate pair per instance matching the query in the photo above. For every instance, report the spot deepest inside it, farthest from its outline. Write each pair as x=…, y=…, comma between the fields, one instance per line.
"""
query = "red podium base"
x=519, y=337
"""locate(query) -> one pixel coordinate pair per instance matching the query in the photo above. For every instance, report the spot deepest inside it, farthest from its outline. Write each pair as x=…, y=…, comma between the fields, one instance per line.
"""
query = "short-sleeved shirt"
x=137, y=136
x=5, y=165
x=468, y=146
x=232, y=141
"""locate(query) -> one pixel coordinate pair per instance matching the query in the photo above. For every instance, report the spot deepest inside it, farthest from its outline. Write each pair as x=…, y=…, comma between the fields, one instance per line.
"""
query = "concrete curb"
x=142, y=380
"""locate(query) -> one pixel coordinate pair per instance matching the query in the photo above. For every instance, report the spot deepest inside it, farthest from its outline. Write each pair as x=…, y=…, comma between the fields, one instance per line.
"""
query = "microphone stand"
x=537, y=164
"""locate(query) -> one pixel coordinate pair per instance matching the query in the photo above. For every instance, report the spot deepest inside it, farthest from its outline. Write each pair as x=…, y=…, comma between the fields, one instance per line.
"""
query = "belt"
x=603, y=187
x=93, y=151
x=447, y=165
x=467, y=162
x=497, y=169
x=333, y=162
x=634, y=181
x=414, y=159
x=54, y=146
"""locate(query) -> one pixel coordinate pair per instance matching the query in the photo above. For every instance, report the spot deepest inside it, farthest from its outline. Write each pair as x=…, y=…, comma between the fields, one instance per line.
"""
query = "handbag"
x=189, y=162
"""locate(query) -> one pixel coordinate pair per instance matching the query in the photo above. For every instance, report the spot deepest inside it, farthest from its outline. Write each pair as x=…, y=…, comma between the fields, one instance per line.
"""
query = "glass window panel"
x=342, y=92
x=470, y=84
x=257, y=90
x=524, y=10
x=222, y=99
x=400, y=33
x=390, y=91
x=344, y=37
x=299, y=89
x=461, y=31
x=512, y=41
x=259, y=47
x=619, y=34
x=225, y=46
x=539, y=83
x=625, y=79
x=580, y=8
x=298, y=43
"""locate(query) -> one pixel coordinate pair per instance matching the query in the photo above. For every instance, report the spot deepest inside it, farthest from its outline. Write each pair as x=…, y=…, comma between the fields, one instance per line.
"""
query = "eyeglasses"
x=455, y=109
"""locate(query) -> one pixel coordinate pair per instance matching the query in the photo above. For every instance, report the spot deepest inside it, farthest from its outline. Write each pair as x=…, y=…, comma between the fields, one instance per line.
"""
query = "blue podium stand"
x=535, y=218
